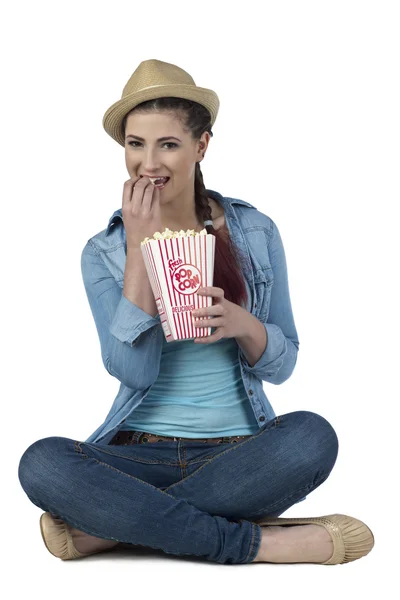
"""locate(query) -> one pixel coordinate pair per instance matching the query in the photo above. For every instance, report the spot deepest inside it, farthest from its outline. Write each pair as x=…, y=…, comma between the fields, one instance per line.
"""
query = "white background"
x=309, y=95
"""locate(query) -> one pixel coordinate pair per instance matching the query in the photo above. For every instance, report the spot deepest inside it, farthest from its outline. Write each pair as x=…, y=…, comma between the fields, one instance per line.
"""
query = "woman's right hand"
x=140, y=210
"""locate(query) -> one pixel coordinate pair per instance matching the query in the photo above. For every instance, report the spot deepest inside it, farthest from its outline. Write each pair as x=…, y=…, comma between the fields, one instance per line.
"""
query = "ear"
x=203, y=143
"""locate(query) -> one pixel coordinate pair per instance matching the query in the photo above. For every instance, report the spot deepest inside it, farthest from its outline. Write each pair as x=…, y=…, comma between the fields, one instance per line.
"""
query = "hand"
x=140, y=210
x=229, y=318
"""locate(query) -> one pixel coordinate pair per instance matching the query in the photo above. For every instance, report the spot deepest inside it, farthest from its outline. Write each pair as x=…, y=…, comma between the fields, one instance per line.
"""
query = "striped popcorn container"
x=177, y=267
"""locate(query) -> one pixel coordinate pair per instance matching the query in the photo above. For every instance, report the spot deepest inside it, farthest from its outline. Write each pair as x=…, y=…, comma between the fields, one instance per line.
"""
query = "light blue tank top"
x=199, y=393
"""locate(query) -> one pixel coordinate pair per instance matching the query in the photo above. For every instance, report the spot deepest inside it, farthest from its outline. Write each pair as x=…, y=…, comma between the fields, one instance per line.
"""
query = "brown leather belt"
x=125, y=438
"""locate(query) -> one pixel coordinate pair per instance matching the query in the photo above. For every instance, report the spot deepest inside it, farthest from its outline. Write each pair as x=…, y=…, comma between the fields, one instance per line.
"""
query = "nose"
x=150, y=163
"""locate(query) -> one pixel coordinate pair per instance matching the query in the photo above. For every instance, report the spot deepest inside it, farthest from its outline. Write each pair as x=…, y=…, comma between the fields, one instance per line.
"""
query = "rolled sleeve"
x=130, y=321
x=127, y=355
x=277, y=362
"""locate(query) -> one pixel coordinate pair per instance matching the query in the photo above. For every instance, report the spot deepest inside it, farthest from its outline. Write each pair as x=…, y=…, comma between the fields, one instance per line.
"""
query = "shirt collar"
x=114, y=219
x=117, y=215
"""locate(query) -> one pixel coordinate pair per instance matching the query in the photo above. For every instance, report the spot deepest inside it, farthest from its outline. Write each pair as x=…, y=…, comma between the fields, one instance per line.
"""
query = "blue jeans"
x=187, y=498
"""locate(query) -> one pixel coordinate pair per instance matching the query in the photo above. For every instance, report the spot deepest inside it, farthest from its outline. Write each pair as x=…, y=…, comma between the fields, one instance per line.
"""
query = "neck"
x=183, y=225
x=180, y=215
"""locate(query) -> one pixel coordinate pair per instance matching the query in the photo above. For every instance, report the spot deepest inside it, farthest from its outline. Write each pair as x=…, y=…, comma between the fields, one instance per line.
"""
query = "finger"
x=215, y=322
x=127, y=191
x=212, y=291
x=217, y=330
x=148, y=197
x=155, y=205
x=216, y=310
x=142, y=194
x=209, y=339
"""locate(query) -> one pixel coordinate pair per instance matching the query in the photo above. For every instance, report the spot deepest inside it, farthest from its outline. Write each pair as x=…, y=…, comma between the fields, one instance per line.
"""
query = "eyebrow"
x=161, y=139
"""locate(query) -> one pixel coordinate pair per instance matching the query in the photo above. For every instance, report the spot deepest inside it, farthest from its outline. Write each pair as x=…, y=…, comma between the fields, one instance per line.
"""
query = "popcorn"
x=168, y=234
x=178, y=263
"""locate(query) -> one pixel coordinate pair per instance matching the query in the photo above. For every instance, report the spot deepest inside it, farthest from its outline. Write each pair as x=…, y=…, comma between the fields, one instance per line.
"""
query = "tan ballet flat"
x=351, y=538
x=58, y=539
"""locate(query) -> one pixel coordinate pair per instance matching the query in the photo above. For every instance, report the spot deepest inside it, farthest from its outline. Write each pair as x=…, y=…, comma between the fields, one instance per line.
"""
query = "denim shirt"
x=131, y=340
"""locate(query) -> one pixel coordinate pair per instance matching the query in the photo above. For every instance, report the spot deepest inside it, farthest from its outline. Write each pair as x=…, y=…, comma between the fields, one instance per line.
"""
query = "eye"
x=165, y=144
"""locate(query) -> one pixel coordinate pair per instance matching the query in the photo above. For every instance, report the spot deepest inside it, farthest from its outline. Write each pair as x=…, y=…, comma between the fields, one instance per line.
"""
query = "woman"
x=175, y=466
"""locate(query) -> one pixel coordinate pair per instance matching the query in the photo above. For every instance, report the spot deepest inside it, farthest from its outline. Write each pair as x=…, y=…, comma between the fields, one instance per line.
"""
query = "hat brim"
x=114, y=116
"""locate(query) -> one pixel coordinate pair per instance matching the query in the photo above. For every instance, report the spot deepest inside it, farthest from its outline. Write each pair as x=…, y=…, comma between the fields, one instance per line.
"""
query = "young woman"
x=191, y=458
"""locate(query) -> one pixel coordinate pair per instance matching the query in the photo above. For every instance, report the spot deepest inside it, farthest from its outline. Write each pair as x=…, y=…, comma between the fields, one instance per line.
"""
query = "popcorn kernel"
x=167, y=234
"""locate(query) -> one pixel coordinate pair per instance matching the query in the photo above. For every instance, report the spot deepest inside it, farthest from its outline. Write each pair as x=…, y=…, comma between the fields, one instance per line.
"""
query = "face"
x=173, y=158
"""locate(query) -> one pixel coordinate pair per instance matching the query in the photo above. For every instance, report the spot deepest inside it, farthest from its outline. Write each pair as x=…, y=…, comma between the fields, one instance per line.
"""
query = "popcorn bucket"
x=177, y=267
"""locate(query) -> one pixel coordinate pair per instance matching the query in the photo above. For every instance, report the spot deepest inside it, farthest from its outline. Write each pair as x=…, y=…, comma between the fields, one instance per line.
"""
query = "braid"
x=228, y=269
x=203, y=208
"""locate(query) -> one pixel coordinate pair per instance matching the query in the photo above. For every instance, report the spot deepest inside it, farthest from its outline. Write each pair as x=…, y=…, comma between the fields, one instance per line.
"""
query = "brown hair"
x=196, y=119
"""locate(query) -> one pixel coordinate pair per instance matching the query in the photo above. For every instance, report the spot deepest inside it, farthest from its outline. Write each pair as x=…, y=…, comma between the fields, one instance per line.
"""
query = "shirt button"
x=251, y=392
x=262, y=419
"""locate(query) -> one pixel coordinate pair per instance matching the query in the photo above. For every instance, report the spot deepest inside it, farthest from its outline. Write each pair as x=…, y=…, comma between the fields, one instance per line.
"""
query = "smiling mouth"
x=159, y=182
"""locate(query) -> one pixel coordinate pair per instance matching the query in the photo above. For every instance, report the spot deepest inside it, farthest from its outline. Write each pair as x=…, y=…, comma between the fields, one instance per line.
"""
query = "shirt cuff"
x=130, y=321
x=272, y=358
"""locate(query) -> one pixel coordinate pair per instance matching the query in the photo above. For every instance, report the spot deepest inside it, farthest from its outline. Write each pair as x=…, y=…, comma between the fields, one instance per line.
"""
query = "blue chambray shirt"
x=131, y=337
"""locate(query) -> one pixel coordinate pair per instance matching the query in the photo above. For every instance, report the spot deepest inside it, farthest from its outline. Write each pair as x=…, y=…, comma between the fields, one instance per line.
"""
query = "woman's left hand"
x=228, y=318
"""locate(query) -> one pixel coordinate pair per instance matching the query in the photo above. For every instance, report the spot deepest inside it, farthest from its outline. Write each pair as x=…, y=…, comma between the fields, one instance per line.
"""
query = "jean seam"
x=121, y=472
x=151, y=462
x=183, y=463
x=78, y=449
x=234, y=447
x=76, y=524
x=271, y=507
x=71, y=522
x=253, y=539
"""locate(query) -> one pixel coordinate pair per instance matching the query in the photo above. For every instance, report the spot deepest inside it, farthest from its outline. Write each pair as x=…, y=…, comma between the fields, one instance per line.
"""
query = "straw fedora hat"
x=156, y=79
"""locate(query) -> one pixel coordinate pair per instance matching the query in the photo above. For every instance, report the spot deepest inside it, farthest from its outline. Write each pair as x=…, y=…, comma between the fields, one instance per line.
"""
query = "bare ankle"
x=295, y=544
x=267, y=545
